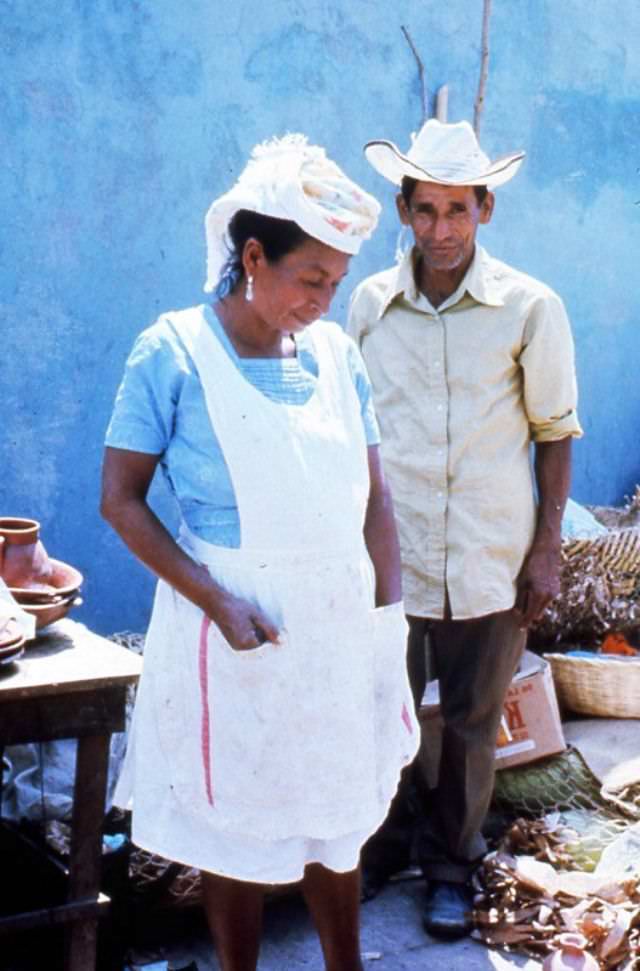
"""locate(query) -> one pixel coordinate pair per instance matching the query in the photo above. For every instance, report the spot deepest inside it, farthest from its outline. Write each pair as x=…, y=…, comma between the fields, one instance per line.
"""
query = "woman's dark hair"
x=278, y=237
x=408, y=185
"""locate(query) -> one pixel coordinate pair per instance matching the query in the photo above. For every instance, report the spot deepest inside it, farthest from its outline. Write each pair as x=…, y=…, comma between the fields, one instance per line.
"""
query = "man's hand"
x=538, y=583
x=539, y=580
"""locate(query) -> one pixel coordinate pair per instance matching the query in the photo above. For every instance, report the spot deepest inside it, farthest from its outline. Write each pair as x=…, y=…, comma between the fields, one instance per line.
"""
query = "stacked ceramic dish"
x=11, y=640
x=43, y=587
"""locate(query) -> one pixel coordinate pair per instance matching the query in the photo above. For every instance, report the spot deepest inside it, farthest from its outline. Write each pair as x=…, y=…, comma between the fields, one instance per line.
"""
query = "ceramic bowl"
x=11, y=642
x=63, y=581
x=9, y=654
x=47, y=613
x=10, y=633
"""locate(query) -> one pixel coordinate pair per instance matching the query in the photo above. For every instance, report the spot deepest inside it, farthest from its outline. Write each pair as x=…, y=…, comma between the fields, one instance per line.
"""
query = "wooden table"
x=71, y=683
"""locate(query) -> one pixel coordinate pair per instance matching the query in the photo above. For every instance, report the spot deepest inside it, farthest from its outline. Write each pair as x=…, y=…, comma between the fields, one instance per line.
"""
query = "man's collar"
x=401, y=280
x=479, y=282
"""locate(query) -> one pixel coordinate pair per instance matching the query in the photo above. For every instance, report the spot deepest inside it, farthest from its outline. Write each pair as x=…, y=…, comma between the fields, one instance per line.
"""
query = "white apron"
x=305, y=738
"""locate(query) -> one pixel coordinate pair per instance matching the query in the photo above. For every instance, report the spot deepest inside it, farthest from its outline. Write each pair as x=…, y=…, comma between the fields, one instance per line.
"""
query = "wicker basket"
x=609, y=687
x=163, y=883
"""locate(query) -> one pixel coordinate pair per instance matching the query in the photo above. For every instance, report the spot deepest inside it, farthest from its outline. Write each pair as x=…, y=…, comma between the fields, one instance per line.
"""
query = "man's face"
x=444, y=220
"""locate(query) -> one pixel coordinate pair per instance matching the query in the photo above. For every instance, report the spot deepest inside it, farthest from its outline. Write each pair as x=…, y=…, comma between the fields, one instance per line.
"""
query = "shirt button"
x=437, y=363
x=440, y=407
x=439, y=495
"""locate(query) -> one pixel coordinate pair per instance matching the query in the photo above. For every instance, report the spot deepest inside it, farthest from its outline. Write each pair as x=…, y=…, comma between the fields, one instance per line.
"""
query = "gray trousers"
x=474, y=661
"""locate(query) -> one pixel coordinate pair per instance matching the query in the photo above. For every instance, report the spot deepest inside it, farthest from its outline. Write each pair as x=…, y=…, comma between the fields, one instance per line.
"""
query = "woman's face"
x=293, y=292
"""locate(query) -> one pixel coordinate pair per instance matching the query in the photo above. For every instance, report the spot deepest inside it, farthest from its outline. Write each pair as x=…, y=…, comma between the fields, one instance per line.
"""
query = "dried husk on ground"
x=619, y=517
x=526, y=894
x=626, y=798
x=565, y=834
x=598, y=593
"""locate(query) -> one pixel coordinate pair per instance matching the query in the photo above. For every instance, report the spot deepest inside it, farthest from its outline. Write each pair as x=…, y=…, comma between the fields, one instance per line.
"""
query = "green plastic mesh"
x=565, y=784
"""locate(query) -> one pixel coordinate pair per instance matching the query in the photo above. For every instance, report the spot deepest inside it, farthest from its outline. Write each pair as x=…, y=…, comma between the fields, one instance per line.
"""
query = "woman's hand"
x=242, y=624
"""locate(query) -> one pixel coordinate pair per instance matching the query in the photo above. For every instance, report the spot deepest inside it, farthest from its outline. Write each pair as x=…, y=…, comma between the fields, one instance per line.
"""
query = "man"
x=470, y=361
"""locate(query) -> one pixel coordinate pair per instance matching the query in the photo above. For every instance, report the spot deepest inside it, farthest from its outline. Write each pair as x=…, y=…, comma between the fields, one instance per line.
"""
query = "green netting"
x=564, y=784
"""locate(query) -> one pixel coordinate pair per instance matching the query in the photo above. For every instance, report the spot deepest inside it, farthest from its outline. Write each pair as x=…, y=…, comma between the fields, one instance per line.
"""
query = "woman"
x=274, y=715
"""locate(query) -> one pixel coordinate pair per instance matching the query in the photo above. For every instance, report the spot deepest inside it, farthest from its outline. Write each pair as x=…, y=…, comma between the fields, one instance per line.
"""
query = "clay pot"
x=23, y=558
x=570, y=955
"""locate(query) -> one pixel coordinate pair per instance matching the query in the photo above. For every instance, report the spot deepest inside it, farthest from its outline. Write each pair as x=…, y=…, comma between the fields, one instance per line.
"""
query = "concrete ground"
x=392, y=934
x=392, y=940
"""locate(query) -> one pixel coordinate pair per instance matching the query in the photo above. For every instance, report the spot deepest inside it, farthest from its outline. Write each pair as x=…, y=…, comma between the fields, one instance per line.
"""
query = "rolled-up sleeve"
x=548, y=365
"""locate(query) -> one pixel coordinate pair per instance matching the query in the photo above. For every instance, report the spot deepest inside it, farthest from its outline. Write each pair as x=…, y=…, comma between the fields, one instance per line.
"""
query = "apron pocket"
x=252, y=655
x=390, y=630
x=390, y=647
x=397, y=733
x=245, y=700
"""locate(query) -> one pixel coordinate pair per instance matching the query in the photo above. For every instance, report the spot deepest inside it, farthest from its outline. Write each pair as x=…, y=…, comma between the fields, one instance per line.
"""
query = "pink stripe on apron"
x=205, y=729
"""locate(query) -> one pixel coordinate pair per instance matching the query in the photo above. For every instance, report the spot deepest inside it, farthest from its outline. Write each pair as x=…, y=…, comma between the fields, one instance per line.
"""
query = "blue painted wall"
x=120, y=120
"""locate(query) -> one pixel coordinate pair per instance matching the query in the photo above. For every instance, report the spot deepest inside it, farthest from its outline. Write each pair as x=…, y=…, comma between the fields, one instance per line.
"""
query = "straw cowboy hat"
x=448, y=154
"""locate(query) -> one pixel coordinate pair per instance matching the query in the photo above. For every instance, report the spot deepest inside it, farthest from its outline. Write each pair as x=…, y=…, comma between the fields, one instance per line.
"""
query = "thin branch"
x=423, y=90
x=442, y=103
x=484, y=67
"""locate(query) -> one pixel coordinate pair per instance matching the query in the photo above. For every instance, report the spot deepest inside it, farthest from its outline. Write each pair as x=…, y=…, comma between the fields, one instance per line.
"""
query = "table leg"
x=85, y=855
x=1, y=776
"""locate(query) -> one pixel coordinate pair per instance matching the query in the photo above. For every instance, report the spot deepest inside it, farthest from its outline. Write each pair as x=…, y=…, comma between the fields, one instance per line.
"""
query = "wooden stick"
x=484, y=67
x=423, y=90
x=442, y=103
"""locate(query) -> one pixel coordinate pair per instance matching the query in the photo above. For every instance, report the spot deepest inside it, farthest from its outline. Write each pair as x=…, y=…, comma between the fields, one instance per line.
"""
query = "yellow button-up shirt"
x=461, y=391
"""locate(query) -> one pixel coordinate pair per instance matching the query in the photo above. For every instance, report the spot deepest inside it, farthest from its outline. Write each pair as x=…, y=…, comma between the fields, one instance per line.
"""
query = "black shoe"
x=448, y=910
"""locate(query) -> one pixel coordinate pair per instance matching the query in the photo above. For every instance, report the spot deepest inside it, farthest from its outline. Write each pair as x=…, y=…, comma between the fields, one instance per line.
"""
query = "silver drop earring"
x=248, y=294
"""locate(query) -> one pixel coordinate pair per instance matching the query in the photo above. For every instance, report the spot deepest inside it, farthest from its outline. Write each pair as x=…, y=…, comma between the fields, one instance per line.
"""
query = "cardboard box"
x=530, y=729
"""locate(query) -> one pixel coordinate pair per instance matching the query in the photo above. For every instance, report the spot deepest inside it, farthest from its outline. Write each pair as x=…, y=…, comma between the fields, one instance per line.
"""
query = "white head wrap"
x=290, y=179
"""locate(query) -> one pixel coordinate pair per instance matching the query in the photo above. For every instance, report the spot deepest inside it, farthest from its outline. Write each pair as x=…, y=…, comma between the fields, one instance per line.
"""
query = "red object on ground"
x=617, y=643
